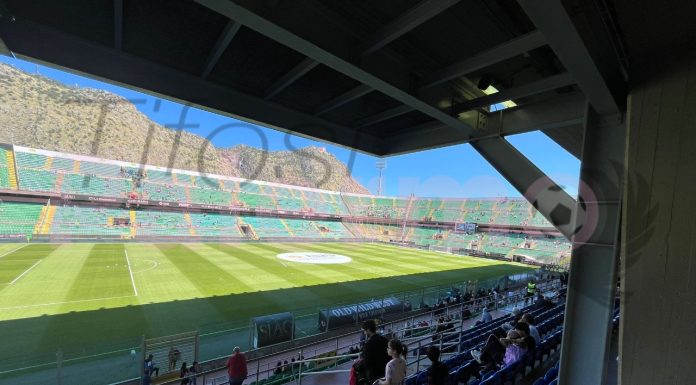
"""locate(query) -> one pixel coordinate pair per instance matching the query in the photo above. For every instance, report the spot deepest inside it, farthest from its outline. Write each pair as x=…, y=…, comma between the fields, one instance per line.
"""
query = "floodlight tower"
x=381, y=165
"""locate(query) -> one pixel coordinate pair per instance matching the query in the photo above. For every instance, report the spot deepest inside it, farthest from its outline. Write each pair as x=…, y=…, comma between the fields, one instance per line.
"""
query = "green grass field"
x=87, y=298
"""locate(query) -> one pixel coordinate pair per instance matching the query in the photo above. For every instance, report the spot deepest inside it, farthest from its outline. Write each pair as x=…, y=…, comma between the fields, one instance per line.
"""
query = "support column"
x=542, y=192
x=658, y=271
x=592, y=279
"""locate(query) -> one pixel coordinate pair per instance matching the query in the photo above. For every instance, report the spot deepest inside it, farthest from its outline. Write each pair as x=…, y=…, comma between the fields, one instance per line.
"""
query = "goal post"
x=442, y=249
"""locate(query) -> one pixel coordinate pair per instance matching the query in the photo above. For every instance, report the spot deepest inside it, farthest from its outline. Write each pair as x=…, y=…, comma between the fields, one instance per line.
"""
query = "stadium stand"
x=41, y=171
x=19, y=218
x=78, y=220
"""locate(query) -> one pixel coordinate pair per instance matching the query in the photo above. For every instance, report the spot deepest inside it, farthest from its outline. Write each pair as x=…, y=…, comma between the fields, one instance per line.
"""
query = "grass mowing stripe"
x=207, y=277
x=306, y=288
x=12, y=251
x=103, y=274
x=11, y=269
x=25, y=272
x=293, y=276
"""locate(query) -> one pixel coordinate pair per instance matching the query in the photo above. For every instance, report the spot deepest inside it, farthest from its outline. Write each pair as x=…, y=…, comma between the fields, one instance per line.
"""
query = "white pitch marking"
x=26, y=271
x=154, y=265
x=12, y=251
x=131, y=273
x=64, y=302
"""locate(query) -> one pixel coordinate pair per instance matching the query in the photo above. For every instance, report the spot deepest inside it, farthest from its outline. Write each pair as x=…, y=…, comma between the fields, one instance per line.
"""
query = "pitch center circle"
x=315, y=258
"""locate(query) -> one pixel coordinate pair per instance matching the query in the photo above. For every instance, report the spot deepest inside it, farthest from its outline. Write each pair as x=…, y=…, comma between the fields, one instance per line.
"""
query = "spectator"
x=542, y=302
x=516, y=316
x=237, y=367
x=173, y=356
x=396, y=368
x=358, y=372
x=529, y=320
x=514, y=350
x=497, y=350
x=183, y=374
x=437, y=372
x=150, y=366
x=486, y=316
x=193, y=371
x=374, y=352
x=278, y=368
x=528, y=341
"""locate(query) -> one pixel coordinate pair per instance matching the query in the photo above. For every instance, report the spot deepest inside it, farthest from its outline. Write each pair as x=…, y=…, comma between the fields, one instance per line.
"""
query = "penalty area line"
x=12, y=251
x=131, y=273
x=26, y=271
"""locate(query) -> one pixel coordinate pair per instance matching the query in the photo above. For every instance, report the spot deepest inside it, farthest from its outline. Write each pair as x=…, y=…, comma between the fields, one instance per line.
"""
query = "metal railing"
x=264, y=370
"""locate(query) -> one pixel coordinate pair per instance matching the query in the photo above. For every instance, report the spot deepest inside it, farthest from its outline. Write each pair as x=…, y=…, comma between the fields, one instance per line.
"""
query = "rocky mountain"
x=39, y=112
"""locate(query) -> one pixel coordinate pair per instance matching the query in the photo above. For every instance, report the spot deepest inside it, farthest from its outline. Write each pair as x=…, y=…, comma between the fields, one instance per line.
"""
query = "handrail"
x=474, y=304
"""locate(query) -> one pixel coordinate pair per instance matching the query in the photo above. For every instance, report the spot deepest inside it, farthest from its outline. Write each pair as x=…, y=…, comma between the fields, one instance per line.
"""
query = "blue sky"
x=455, y=171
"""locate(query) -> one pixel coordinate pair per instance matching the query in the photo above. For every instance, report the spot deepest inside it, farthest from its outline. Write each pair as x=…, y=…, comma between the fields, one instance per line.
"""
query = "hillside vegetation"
x=39, y=112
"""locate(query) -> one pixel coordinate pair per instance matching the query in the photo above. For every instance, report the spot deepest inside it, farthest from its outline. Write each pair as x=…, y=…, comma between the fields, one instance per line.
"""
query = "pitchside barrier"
x=217, y=339
x=169, y=352
x=329, y=354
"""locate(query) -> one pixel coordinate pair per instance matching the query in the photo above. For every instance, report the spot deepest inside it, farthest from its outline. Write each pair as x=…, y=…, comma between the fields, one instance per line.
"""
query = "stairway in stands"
x=287, y=228
x=11, y=171
x=187, y=218
x=47, y=220
x=133, y=228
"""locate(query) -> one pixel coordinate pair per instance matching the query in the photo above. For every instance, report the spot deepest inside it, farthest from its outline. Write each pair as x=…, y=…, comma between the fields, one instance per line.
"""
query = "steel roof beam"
x=419, y=14
x=537, y=87
x=507, y=50
x=553, y=21
x=290, y=40
x=29, y=40
x=220, y=46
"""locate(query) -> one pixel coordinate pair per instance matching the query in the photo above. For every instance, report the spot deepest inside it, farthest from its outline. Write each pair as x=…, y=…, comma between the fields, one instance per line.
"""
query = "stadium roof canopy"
x=383, y=77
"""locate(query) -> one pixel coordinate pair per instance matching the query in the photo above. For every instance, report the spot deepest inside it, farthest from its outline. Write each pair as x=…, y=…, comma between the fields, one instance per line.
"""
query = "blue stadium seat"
x=422, y=378
x=495, y=379
x=411, y=380
x=551, y=374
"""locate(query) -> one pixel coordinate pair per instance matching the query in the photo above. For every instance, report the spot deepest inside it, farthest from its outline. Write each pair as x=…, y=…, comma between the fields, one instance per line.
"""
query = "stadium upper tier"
x=52, y=172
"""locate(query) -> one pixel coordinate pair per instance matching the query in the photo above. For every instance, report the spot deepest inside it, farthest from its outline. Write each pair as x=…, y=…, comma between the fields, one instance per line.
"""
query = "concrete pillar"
x=592, y=279
x=658, y=272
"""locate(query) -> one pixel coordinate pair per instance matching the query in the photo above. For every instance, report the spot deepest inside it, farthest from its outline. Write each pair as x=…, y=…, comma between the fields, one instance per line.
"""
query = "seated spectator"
x=486, y=316
x=514, y=349
x=542, y=302
x=499, y=350
x=395, y=371
x=278, y=368
x=437, y=372
x=529, y=320
x=517, y=315
x=527, y=341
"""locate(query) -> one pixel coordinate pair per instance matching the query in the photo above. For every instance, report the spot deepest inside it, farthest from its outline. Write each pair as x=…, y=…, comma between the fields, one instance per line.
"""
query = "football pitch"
x=87, y=298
